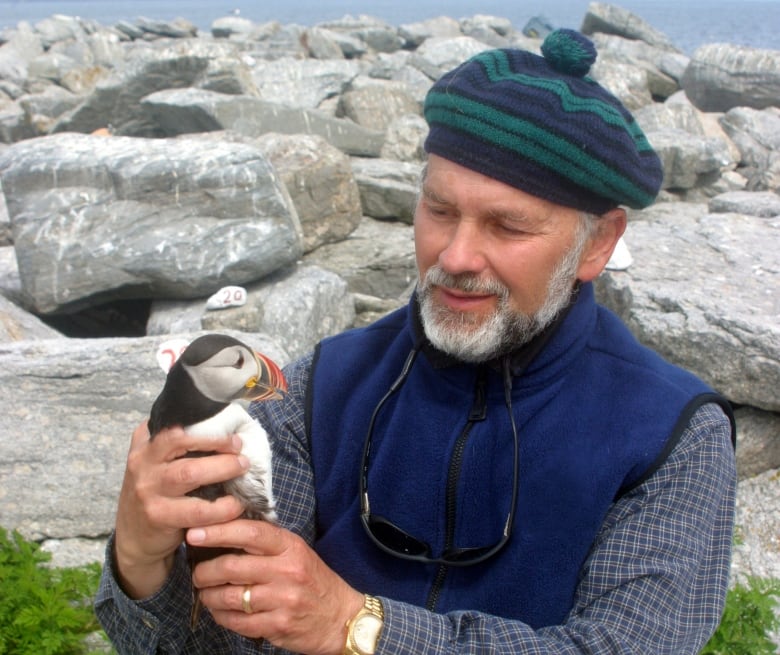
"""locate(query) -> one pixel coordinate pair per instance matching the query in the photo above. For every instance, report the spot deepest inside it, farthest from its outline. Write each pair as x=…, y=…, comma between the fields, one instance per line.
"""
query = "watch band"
x=364, y=628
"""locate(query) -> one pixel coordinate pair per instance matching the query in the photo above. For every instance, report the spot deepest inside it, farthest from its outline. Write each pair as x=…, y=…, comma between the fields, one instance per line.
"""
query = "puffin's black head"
x=212, y=372
x=224, y=369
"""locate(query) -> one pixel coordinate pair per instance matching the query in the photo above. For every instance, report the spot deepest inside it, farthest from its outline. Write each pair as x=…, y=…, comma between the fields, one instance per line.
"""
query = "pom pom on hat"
x=541, y=125
x=569, y=52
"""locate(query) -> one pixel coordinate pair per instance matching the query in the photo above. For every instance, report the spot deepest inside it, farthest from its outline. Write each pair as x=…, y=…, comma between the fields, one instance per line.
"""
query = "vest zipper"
x=478, y=413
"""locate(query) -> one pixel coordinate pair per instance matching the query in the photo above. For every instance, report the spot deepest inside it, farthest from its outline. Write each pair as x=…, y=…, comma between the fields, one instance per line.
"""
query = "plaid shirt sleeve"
x=654, y=582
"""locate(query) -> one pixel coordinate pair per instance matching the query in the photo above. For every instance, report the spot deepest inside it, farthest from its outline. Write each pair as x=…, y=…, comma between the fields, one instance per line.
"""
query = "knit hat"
x=541, y=125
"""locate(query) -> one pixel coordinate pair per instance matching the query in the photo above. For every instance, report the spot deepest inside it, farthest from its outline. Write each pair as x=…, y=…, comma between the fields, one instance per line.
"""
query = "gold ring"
x=246, y=599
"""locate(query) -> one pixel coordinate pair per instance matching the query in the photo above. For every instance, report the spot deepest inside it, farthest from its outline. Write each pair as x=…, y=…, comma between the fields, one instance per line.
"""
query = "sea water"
x=687, y=23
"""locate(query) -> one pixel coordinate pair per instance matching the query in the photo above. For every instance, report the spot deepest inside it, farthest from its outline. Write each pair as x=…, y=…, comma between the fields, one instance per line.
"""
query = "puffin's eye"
x=240, y=362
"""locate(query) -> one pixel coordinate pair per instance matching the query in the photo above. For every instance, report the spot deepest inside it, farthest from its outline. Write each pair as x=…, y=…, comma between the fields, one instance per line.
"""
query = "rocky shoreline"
x=144, y=166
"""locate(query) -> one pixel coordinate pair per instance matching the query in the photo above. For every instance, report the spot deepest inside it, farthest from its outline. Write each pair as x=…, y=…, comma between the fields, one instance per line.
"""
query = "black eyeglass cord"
x=507, y=373
x=365, y=513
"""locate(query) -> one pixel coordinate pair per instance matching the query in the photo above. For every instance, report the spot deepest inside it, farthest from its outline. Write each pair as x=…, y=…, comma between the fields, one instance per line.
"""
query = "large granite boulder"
x=704, y=291
x=721, y=76
x=182, y=111
x=116, y=100
x=377, y=259
x=304, y=83
x=18, y=325
x=97, y=218
x=756, y=135
x=322, y=187
x=388, y=189
x=611, y=19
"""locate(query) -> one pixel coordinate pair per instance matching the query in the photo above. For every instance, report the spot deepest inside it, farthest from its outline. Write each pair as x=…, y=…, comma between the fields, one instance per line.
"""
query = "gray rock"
x=322, y=187
x=722, y=76
x=106, y=48
x=377, y=259
x=168, y=316
x=59, y=28
x=68, y=553
x=670, y=115
x=17, y=52
x=388, y=189
x=375, y=33
x=491, y=30
x=298, y=306
x=5, y=222
x=764, y=204
x=610, y=19
x=442, y=27
x=116, y=100
x=757, y=136
x=303, y=306
x=404, y=139
x=758, y=441
x=653, y=60
x=323, y=44
x=178, y=28
x=10, y=284
x=304, y=83
x=228, y=26
x=757, y=527
x=704, y=292
x=14, y=125
x=689, y=161
x=72, y=447
x=351, y=47
x=192, y=110
x=625, y=81
x=17, y=325
x=375, y=104
x=42, y=109
x=127, y=213
x=436, y=56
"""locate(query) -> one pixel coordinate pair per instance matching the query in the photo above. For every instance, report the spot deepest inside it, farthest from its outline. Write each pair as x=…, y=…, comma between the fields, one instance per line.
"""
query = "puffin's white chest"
x=254, y=488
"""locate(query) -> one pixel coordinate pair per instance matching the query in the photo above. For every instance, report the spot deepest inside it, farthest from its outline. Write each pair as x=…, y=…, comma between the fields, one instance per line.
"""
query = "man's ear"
x=599, y=248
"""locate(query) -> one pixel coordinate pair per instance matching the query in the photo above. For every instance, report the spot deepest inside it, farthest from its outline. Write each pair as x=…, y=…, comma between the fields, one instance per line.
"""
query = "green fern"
x=43, y=611
x=748, y=619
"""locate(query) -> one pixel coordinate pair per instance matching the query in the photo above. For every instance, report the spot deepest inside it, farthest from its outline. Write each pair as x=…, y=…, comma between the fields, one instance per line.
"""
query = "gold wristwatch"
x=364, y=628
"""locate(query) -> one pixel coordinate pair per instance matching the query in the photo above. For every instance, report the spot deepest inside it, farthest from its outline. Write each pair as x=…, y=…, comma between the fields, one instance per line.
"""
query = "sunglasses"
x=394, y=541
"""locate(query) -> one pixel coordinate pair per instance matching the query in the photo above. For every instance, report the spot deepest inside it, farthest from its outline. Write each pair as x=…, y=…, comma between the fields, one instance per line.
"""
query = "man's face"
x=496, y=264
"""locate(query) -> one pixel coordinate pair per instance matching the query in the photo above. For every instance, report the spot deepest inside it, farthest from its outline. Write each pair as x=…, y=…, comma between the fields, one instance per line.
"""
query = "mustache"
x=466, y=282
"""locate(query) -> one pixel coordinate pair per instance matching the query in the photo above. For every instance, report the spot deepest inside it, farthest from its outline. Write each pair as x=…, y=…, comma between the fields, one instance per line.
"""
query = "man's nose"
x=464, y=251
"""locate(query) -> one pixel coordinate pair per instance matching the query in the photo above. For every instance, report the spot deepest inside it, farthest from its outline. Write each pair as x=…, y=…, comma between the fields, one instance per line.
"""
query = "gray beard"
x=472, y=340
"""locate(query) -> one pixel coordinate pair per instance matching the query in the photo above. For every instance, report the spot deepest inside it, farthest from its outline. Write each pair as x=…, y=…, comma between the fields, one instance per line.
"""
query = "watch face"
x=366, y=632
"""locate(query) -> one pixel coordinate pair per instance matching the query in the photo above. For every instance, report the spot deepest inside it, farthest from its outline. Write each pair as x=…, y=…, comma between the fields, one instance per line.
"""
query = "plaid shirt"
x=654, y=582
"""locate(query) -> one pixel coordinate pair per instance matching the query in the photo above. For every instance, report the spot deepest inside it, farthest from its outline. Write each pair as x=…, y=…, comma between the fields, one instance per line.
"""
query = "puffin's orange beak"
x=269, y=384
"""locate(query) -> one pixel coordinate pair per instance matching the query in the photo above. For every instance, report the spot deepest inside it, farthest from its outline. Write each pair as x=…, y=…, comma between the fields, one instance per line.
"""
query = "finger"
x=246, y=598
x=187, y=511
x=232, y=569
x=189, y=473
x=173, y=443
x=257, y=537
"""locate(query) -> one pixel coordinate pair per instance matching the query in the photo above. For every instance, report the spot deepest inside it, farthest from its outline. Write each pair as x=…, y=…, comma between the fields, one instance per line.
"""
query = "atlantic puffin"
x=201, y=394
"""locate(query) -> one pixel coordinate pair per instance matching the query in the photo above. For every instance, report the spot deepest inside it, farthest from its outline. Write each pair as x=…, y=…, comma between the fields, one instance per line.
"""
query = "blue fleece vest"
x=596, y=413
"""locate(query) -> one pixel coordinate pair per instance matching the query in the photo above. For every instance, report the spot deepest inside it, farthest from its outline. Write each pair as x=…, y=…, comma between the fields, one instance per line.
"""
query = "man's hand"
x=154, y=510
x=296, y=601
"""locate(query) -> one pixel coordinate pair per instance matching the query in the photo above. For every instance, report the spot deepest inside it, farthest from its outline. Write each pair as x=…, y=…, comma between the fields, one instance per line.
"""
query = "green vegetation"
x=748, y=619
x=43, y=611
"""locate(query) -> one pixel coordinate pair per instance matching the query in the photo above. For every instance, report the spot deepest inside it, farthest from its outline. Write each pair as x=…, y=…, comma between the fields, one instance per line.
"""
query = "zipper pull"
x=479, y=407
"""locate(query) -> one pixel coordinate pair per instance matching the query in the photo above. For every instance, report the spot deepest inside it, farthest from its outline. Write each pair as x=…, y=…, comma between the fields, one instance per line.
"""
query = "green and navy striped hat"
x=541, y=125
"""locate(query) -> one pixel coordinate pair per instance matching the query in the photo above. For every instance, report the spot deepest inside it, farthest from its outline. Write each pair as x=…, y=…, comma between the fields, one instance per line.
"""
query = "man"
x=499, y=467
